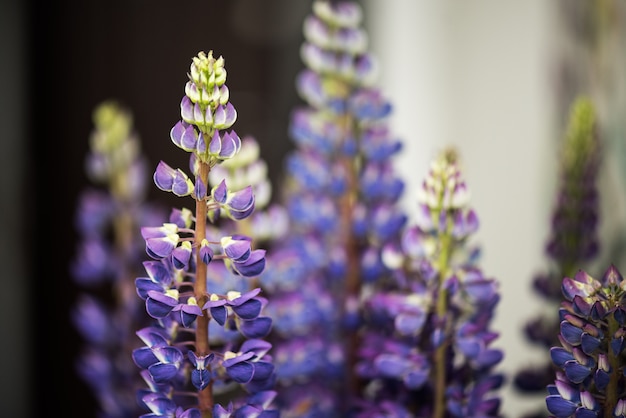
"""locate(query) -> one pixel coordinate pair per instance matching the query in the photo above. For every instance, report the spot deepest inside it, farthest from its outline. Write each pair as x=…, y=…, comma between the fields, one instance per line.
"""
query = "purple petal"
x=189, y=139
x=237, y=250
x=576, y=372
x=158, y=272
x=168, y=354
x=200, y=378
x=262, y=399
x=215, y=145
x=144, y=357
x=559, y=406
x=415, y=378
x=200, y=189
x=177, y=131
x=241, y=372
x=571, y=333
x=164, y=176
x=182, y=185
x=159, y=305
x=490, y=357
x=201, y=146
x=162, y=373
x=160, y=404
x=258, y=347
x=239, y=215
x=253, y=266
x=560, y=355
x=198, y=115
x=206, y=252
x=409, y=324
x=249, y=309
x=612, y=277
x=219, y=314
x=231, y=116
x=241, y=200
x=229, y=147
x=186, y=110
x=162, y=246
x=262, y=370
x=245, y=297
x=220, y=412
x=143, y=285
x=589, y=343
x=224, y=116
x=256, y=328
x=602, y=379
x=152, y=336
x=391, y=365
x=190, y=413
x=220, y=192
x=188, y=314
x=181, y=255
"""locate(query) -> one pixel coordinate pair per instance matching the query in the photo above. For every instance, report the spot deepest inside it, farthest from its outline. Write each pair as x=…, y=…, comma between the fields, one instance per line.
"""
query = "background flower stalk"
x=590, y=363
x=573, y=242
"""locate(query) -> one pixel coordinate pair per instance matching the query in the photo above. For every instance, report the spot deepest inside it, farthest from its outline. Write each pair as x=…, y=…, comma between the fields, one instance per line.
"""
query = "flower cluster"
x=195, y=289
x=109, y=257
x=573, y=241
x=590, y=379
x=341, y=195
x=428, y=348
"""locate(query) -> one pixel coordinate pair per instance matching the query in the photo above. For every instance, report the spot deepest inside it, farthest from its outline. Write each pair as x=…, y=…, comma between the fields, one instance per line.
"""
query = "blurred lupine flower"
x=339, y=178
x=573, y=240
x=195, y=275
x=109, y=257
x=427, y=349
x=590, y=359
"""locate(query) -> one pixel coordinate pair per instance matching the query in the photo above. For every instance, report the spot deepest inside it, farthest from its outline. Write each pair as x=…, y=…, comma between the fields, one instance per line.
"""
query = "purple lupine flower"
x=590, y=357
x=573, y=241
x=427, y=347
x=109, y=256
x=194, y=278
x=341, y=194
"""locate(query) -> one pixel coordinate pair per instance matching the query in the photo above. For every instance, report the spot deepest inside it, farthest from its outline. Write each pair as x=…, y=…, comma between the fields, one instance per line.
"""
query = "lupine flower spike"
x=428, y=350
x=341, y=194
x=590, y=357
x=109, y=257
x=573, y=240
x=194, y=283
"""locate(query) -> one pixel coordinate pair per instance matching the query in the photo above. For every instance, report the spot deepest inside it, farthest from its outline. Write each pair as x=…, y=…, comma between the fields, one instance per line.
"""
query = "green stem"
x=205, y=396
x=612, y=388
x=441, y=311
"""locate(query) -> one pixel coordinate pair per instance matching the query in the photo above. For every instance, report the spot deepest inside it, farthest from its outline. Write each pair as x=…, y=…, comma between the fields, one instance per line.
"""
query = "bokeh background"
x=494, y=78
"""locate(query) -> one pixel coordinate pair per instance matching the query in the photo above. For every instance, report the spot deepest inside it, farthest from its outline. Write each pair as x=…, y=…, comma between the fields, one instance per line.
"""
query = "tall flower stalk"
x=341, y=194
x=427, y=347
x=573, y=240
x=590, y=357
x=109, y=257
x=194, y=281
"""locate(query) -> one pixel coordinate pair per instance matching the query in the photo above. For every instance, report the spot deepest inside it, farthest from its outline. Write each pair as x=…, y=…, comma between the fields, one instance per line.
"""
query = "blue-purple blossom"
x=108, y=258
x=427, y=347
x=590, y=357
x=194, y=276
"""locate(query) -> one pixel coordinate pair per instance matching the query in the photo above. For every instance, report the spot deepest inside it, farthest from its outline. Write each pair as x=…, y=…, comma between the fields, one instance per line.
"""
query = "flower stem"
x=612, y=394
x=440, y=362
x=205, y=396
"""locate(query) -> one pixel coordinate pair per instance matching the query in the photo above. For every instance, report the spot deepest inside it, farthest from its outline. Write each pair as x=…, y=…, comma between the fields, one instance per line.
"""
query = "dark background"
x=60, y=60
